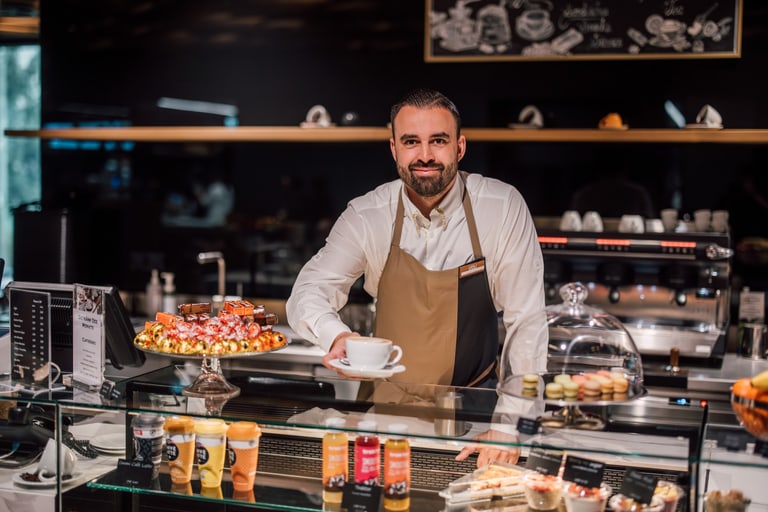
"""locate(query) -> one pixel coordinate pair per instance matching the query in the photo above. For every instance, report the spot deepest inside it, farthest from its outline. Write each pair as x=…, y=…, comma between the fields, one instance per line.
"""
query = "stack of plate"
x=109, y=444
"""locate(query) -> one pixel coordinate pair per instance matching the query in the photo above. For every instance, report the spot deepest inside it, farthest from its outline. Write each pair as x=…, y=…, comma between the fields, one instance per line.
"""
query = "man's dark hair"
x=425, y=98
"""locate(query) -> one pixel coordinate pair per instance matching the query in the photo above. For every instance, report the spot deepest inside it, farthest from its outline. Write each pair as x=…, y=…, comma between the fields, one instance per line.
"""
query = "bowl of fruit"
x=749, y=400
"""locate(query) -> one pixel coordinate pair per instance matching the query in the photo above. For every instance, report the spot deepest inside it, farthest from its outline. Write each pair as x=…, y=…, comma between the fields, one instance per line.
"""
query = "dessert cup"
x=543, y=492
x=585, y=499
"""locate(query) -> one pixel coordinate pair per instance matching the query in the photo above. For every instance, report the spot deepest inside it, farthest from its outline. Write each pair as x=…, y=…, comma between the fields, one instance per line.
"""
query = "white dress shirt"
x=359, y=244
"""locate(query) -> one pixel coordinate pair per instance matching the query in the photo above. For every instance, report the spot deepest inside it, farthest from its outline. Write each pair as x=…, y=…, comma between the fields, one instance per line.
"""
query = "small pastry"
x=591, y=388
x=570, y=389
x=530, y=381
x=562, y=378
x=554, y=390
x=620, y=385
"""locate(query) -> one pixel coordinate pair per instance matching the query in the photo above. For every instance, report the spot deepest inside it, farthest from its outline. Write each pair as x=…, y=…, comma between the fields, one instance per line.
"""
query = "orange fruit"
x=743, y=388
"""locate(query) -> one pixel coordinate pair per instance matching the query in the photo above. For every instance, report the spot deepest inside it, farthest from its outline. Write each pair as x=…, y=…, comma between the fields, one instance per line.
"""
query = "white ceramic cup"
x=592, y=222
x=46, y=467
x=654, y=226
x=720, y=221
x=570, y=221
x=702, y=220
x=631, y=224
x=366, y=352
x=669, y=219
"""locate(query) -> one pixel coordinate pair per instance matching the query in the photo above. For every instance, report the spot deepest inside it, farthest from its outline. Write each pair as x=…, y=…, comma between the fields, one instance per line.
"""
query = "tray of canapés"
x=593, y=387
x=239, y=329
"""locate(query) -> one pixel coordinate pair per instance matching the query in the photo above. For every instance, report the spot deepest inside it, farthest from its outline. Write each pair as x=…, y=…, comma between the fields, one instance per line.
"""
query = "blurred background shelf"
x=375, y=133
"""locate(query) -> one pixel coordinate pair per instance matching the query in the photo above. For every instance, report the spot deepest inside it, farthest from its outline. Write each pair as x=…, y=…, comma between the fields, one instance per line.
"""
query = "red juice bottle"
x=367, y=454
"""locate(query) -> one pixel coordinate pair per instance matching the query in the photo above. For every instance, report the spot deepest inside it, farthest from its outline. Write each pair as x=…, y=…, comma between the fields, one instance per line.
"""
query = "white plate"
x=383, y=373
x=76, y=478
x=109, y=443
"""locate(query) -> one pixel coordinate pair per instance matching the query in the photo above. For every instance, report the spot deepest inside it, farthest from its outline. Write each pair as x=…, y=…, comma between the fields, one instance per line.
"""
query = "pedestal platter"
x=569, y=413
x=239, y=330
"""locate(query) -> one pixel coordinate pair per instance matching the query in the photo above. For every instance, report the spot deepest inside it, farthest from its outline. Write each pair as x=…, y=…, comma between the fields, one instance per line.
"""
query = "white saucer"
x=76, y=478
x=109, y=443
x=382, y=373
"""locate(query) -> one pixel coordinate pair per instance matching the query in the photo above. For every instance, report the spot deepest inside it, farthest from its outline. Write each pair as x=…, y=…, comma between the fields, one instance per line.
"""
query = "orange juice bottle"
x=335, y=461
x=397, y=468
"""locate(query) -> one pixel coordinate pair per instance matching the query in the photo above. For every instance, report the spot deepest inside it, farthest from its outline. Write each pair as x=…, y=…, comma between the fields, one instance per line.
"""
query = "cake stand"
x=211, y=384
x=569, y=414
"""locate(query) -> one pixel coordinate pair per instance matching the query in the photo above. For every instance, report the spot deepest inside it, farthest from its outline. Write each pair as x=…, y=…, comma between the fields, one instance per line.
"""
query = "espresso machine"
x=670, y=290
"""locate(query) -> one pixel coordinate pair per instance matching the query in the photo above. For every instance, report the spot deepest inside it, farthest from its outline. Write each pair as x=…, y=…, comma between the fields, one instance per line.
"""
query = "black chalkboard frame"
x=531, y=30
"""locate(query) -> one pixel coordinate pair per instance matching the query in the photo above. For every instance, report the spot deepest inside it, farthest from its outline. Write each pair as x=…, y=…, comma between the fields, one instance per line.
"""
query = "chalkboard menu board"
x=498, y=30
x=30, y=337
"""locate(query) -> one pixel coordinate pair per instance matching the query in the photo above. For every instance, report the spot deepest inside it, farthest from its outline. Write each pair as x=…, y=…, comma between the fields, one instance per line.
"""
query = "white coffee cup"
x=46, y=467
x=631, y=224
x=702, y=220
x=367, y=352
x=570, y=221
x=720, y=221
x=592, y=222
x=669, y=219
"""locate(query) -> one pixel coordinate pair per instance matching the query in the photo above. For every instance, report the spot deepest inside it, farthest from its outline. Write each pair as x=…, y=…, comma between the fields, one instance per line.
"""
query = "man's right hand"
x=338, y=350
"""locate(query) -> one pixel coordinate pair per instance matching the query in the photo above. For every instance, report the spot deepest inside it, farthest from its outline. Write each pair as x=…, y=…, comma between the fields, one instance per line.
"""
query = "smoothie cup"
x=211, y=447
x=180, y=447
x=243, y=438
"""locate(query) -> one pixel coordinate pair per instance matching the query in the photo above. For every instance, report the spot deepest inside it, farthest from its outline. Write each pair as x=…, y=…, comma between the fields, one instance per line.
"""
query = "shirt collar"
x=443, y=212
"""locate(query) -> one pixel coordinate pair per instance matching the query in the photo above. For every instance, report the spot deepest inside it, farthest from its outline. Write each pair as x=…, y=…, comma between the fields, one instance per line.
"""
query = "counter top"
x=720, y=380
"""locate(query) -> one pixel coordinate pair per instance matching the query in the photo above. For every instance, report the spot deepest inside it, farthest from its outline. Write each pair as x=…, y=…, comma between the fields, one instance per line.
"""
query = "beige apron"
x=439, y=318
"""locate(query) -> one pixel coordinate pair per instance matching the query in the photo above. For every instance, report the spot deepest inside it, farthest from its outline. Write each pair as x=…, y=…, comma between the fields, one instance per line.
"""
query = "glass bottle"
x=367, y=454
x=397, y=469
x=335, y=460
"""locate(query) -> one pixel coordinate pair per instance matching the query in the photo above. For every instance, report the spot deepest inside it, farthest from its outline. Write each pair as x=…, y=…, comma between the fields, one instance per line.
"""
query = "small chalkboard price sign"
x=585, y=472
x=639, y=486
x=489, y=30
x=361, y=497
x=544, y=462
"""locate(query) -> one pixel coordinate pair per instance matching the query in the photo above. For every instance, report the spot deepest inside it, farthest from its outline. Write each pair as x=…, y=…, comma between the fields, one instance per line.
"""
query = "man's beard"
x=428, y=187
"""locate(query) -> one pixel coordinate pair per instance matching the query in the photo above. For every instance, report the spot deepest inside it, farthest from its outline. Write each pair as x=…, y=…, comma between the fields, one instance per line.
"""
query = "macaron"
x=620, y=385
x=606, y=384
x=570, y=389
x=554, y=390
x=562, y=378
x=578, y=378
x=530, y=381
x=591, y=388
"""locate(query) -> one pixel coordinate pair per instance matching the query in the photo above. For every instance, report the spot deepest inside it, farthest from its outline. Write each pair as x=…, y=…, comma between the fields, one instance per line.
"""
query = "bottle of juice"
x=397, y=468
x=367, y=454
x=335, y=460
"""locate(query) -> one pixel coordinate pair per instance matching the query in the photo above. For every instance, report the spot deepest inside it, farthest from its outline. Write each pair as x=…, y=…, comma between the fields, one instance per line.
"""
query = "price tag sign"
x=528, y=426
x=734, y=442
x=585, y=472
x=134, y=473
x=543, y=461
x=361, y=498
x=638, y=486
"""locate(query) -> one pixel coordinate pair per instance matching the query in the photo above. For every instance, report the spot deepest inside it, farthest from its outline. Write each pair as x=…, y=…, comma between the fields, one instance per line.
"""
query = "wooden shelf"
x=376, y=134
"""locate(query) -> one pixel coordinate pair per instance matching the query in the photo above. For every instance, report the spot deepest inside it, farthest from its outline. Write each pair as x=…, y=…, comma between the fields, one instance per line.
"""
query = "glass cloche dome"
x=590, y=343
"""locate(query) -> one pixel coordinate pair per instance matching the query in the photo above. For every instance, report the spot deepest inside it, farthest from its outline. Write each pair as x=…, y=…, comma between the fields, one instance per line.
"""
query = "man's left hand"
x=487, y=453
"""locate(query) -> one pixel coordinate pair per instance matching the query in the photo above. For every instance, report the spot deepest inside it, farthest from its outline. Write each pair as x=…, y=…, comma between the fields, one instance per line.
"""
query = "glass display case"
x=650, y=435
